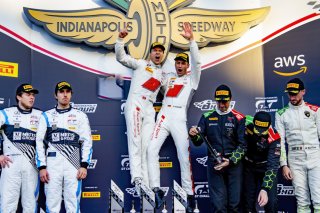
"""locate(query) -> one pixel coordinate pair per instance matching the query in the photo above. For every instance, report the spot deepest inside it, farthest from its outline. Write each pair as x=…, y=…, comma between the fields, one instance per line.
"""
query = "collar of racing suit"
x=223, y=113
x=22, y=111
x=63, y=110
x=296, y=107
x=154, y=65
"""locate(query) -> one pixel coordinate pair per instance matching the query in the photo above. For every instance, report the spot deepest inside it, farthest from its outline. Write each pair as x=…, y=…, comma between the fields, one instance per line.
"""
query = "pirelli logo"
x=96, y=137
x=261, y=123
x=222, y=92
x=62, y=84
x=27, y=87
x=91, y=194
x=8, y=69
x=165, y=164
x=293, y=85
x=213, y=119
x=149, y=69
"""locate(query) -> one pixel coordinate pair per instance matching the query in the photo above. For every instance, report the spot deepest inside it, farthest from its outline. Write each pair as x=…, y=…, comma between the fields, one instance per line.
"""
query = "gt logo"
x=201, y=189
x=266, y=104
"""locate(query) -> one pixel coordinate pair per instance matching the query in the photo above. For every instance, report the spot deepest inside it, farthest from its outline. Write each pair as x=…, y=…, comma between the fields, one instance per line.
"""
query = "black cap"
x=26, y=88
x=223, y=93
x=62, y=85
x=294, y=86
x=182, y=57
x=157, y=44
x=261, y=122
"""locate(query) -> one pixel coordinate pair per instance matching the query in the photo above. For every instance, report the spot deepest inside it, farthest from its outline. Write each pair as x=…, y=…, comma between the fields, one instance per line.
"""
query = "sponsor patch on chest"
x=149, y=69
x=229, y=125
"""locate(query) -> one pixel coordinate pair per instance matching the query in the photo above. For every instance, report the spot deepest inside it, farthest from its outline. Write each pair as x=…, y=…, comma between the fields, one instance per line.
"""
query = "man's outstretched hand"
x=188, y=34
x=123, y=32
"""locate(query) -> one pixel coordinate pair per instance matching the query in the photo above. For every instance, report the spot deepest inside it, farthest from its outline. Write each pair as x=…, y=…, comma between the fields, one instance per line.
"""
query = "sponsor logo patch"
x=9, y=69
x=91, y=194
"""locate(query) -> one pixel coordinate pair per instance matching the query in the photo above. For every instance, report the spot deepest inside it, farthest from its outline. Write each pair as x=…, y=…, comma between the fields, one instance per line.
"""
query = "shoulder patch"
x=238, y=115
x=313, y=107
x=207, y=114
x=273, y=135
x=281, y=111
x=249, y=119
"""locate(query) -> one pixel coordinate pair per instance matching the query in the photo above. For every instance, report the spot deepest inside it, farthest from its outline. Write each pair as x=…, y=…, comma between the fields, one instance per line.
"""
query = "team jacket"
x=225, y=132
x=263, y=152
x=146, y=76
x=67, y=132
x=19, y=129
x=298, y=125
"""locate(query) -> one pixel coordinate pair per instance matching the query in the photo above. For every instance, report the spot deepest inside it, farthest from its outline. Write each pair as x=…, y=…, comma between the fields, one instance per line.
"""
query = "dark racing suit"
x=225, y=132
x=261, y=165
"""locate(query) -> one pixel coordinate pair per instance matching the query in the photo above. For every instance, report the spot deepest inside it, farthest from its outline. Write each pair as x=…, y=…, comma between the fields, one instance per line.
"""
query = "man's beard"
x=297, y=103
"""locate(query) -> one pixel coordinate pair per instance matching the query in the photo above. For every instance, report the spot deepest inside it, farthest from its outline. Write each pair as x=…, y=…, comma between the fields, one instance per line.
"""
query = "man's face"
x=26, y=100
x=223, y=106
x=156, y=55
x=64, y=97
x=181, y=67
x=296, y=99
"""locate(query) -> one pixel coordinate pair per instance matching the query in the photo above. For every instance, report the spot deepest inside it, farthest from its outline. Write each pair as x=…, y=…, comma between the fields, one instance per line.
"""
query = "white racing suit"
x=299, y=127
x=172, y=119
x=19, y=134
x=63, y=146
x=139, y=112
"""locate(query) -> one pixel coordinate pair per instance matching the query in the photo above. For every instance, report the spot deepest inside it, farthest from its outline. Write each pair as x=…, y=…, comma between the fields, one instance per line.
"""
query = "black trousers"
x=253, y=174
x=225, y=188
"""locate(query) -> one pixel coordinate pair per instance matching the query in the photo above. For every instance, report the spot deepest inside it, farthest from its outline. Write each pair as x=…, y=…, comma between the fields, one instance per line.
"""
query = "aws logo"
x=203, y=161
x=147, y=21
x=290, y=65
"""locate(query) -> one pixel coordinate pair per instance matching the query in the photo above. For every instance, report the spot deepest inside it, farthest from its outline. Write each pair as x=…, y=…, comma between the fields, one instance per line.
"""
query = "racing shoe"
x=159, y=194
x=190, y=203
x=137, y=186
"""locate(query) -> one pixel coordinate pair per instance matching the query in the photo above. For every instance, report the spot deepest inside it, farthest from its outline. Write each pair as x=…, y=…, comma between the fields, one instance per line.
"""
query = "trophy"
x=179, y=197
x=217, y=157
x=147, y=199
x=116, y=199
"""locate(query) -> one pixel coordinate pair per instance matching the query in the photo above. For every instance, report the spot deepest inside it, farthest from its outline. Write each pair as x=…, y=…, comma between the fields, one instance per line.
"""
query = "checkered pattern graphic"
x=71, y=153
x=29, y=151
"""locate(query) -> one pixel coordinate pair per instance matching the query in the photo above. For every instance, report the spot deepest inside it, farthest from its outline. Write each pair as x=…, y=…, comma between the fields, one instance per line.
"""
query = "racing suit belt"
x=254, y=162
